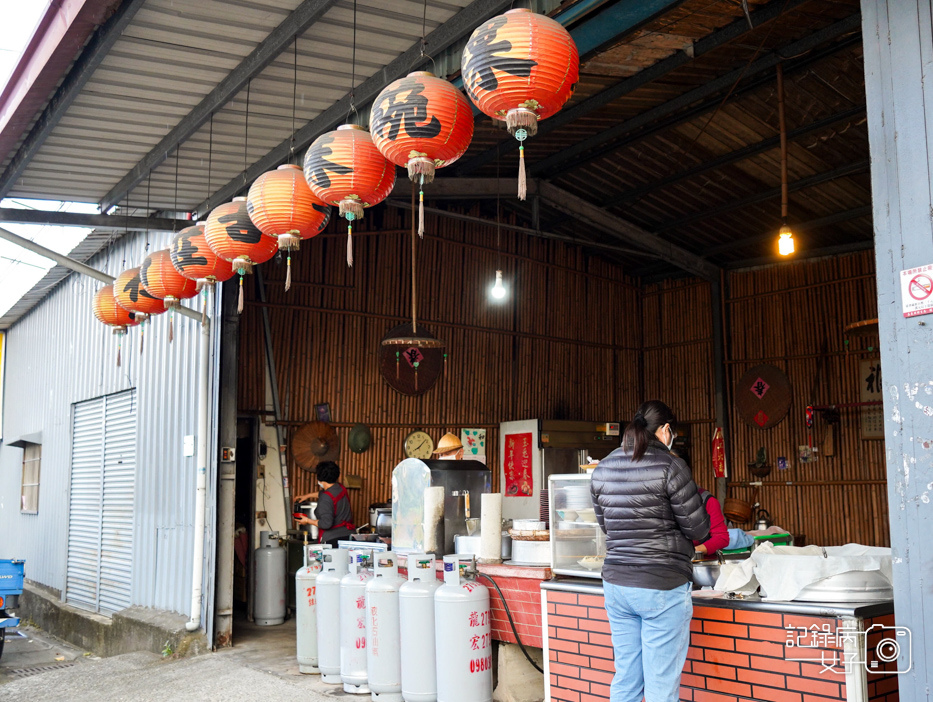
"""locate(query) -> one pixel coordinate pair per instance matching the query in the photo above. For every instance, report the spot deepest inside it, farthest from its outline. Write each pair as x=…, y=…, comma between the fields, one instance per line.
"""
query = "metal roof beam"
x=610, y=139
x=87, y=62
x=809, y=181
x=735, y=156
x=829, y=220
x=283, y=36
x=800, y=255
x=96, y=221
x=618, y=228
x=454, y=29
x=479, y=188
x=628, y=85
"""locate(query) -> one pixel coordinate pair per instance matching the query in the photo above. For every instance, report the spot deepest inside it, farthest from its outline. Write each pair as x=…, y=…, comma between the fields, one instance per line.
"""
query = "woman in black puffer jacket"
x=649, y=507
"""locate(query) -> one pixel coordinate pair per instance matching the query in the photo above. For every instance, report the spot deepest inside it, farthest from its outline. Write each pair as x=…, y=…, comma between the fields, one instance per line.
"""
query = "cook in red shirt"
x=719, y=532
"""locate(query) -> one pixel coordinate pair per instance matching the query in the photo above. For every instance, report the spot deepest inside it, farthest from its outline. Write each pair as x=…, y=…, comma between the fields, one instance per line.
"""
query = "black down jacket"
x=651, y=512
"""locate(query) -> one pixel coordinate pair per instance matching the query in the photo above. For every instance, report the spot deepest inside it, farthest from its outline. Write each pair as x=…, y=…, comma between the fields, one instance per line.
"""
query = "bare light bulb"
x=498, y=290
x=785, y=241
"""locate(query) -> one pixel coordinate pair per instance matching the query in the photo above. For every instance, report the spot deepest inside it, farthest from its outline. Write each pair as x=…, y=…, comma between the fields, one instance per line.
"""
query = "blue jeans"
x=650, y=637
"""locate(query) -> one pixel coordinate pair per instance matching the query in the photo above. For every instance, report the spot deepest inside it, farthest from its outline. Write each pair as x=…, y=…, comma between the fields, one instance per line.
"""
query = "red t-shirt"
x=718, y=531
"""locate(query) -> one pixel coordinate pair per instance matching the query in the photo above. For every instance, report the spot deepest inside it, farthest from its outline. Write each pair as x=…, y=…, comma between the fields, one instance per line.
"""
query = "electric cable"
x=505, y=606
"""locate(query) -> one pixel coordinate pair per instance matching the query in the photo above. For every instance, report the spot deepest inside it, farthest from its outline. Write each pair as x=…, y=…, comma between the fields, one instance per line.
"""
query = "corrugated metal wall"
x=60, y=354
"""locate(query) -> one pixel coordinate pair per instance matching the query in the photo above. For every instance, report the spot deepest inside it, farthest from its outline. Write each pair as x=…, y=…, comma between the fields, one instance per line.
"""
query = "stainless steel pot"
x=384, y=521
x=374, y=511
x=307, y=509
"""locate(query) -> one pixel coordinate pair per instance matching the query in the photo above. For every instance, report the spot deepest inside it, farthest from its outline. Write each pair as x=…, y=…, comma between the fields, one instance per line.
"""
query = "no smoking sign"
x=917, y=290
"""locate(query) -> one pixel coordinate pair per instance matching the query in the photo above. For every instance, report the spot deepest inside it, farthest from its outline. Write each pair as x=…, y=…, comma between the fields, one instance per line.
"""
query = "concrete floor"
x=260, y=666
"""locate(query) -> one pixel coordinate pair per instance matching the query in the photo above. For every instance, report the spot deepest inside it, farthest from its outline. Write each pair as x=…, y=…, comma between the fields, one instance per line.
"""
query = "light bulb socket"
x=498, y=289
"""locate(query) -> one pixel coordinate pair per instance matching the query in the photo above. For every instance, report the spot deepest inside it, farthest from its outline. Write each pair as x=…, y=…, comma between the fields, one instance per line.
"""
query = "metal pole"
x=76, y=266
x=204, y=371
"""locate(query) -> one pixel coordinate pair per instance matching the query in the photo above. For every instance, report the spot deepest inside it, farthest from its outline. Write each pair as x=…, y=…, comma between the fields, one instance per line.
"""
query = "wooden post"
x=898, y=44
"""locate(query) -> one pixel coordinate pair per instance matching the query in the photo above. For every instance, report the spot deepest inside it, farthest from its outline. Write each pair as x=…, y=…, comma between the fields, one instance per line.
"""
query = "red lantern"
x=520, y=67
x=281, y=205
x=110, y=313
x=232, y=235
x=344, y=168
x=194, y=259
x=132, y=296
x=161, y=280
x=421, y=122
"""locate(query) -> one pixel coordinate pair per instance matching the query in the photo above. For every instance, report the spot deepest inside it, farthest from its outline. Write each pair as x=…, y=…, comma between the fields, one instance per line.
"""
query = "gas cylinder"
x=306, y=607
x=383, y=651
x=269, y=594
x=416, y=615
x=463, y=632
x=333, y=567
x=353, y=624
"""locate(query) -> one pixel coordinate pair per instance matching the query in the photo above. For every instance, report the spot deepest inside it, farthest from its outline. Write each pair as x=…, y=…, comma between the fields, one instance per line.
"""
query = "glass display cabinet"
x=578, y=545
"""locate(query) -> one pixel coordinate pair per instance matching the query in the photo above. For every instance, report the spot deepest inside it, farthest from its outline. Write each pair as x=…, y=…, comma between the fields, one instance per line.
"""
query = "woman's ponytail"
x=650, y=417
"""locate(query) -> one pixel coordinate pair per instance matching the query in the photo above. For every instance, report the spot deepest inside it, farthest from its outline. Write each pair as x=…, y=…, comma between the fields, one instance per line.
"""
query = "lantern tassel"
x=142, y=337
x=171, y=325
x=204, y=307
x=445, y=366
x=119, y=349
x=239, y=306
x=396, y=364
x=421, y=209
x=522, y=179
x=350, y=244
x=288, y=273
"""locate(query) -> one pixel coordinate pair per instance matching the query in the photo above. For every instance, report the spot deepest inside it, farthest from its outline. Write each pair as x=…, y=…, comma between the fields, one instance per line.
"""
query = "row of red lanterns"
x=518, y=68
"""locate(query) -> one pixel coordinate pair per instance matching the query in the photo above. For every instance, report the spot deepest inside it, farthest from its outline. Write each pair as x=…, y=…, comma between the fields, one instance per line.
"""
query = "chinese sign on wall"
x=872, y=417
x=517, y=465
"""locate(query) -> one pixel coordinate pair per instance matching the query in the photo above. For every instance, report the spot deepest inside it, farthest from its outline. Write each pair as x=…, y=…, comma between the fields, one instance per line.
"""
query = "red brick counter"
x=739, y=650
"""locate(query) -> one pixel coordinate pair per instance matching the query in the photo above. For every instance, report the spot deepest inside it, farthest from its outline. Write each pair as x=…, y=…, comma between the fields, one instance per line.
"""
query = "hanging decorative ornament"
x=132, y=296
x=110, y=313
x=344, y=168
x=161, y=280
x=421, y=122
x=232, y=235
x=281, y=204
x=520, y=68
x=194, y=259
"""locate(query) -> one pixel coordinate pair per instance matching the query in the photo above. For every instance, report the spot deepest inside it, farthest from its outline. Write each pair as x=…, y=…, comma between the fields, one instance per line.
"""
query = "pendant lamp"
x=110, y=313
x=132, y=296
x=160, y=279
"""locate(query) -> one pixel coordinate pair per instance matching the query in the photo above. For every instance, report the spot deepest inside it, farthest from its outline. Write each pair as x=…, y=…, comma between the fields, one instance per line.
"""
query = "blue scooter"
x=11, y=587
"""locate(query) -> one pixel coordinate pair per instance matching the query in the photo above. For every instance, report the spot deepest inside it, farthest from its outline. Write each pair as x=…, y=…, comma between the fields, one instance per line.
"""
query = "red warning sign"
x=917, y=291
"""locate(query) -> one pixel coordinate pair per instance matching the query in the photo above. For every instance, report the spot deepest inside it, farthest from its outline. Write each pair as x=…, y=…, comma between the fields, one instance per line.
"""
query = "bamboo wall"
x=555, y=349
x=792, y=316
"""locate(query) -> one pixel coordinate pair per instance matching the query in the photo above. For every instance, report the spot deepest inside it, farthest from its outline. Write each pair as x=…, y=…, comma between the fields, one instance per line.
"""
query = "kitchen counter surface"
x=860, y=610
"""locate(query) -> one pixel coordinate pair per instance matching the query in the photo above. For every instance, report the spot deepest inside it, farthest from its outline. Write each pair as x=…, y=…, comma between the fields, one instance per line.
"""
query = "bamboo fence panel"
x=551, y=350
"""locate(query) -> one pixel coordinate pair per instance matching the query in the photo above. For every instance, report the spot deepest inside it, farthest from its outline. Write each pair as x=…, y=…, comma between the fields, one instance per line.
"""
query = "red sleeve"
x=719, y=532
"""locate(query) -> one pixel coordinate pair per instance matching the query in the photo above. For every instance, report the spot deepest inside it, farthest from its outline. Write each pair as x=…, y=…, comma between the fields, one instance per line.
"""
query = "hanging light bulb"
x=498, y=290
x=785, y=241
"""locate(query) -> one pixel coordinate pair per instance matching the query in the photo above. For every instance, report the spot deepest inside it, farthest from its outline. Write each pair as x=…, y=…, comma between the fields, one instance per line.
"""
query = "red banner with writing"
x=518, y=477
x=719, y=454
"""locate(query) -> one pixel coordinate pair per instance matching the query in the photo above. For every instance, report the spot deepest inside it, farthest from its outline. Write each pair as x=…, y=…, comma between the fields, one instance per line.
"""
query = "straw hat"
x=360, y=438
x=448, y=444
x=314, y=443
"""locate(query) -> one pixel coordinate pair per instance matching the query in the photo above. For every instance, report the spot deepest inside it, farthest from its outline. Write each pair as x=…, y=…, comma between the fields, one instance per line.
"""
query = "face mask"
x=673, y=435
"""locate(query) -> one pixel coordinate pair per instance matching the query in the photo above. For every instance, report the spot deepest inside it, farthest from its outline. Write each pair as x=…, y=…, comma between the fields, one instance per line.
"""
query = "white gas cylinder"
x=353, y=624
x=335, y=564
x=463, y=632
x=383, y=650
x=416, y=616
x=306, y=607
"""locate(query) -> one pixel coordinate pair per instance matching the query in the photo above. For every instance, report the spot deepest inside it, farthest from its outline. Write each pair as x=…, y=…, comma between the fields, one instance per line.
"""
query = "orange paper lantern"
x=423, y=123
x=131, y=295
x=281, y=204
x=161, y=280
x=344, y=168
x=195, y=260
x=110, y=313
x=232, y=235
x=520, y=67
